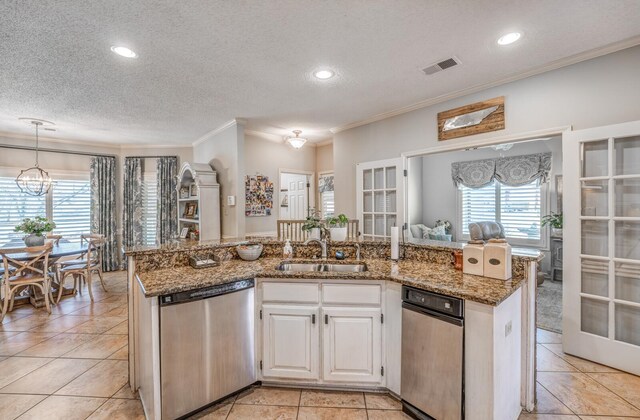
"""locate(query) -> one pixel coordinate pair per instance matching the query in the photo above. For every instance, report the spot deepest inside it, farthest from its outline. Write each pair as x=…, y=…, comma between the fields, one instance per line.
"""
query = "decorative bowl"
x=249, y=252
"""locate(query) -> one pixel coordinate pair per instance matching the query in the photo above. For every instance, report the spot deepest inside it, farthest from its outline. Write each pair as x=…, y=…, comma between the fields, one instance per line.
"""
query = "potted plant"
x=554, y=220
x=313, y=225
x=35, y=230
x=338, y=227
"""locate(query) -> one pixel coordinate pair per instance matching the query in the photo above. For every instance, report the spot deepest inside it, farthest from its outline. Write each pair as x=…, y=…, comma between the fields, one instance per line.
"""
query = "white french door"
x=380, y=191
x=601, y=288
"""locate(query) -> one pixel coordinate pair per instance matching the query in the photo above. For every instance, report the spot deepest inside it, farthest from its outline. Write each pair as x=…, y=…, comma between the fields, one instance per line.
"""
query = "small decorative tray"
x=204, y=261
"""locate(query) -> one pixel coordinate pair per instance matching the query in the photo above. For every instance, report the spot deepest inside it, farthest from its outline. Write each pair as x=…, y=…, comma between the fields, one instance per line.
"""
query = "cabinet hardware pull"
x=382, y=371
x=260, y=313
x=313, y=318
x=326, y=319
x=382, y=318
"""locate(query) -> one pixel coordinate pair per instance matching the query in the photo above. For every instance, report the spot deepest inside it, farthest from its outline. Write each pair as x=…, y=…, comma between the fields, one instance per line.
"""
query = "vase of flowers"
x=313, y=225
x=35, y=230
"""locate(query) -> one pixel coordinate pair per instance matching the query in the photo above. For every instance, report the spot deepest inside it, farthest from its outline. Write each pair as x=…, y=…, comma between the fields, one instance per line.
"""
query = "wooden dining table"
x=59, y=250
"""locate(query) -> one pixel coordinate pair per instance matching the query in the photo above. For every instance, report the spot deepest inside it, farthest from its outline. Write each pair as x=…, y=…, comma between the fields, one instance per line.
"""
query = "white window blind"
x=150, y=209
x=15, y=206
x=68, y=204
x=328, y=203
x=518, y=209
x=71, y=208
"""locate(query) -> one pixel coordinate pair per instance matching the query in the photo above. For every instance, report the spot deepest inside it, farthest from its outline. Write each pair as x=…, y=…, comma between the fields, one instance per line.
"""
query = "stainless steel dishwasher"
x=206, y=346
x=432, y=382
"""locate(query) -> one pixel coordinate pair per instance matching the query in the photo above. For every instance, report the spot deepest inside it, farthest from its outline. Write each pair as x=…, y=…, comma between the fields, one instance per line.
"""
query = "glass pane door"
x=610, y=239
x=378, y=203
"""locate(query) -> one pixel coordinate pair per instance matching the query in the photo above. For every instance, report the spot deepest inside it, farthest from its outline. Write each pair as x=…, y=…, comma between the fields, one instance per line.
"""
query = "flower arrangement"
x=36, y=226
x=554, y=220
x=339, y=221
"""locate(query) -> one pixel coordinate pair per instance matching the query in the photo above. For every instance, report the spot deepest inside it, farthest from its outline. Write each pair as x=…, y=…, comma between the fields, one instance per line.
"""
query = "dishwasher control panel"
x=191, y=295
x=433, y=301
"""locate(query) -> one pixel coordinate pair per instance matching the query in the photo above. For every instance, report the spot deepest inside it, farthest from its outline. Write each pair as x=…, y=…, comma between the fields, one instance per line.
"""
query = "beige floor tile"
x=547, y=403
x=11, y=406
x=387, y=415
x=14, y=368
x=122, y=310
x=116, y=298
x=58, y=345
x=22, y=341
x=63, y=407
x=122, y=328
x=103, y=380
x=332, y=399
x=101, y=347
x=583, y=395
x=96, y=308
x=381, y=402
x=270, y=396
x=581, y=364
x=27, y=323
x=547, y=361
x=50, y=377
x=624, y=385
x=119, y=409
x=262, y=412
x=61, y=324
x=7, y=334
x=122, y=354
x=327, y=413
x=526, y=416
x=217, y=412
x=126, y=393
x=547, y=337
x=97, y=325
x=607, y=418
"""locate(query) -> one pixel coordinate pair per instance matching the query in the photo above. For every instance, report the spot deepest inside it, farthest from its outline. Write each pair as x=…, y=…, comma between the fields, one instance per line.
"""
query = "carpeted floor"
x=550, y=306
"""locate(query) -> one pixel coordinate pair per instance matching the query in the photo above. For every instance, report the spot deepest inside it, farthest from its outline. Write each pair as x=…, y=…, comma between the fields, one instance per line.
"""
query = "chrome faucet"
x=357, y=251
x=323, y=245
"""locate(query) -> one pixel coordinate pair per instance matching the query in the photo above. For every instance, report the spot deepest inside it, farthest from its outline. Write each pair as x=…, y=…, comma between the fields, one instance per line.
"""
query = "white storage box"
x=473, y=259
x=497, y=259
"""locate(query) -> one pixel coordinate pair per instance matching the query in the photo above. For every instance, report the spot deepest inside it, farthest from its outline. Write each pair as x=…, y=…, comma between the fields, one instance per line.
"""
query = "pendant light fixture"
x=34, y=181
x=297, y=142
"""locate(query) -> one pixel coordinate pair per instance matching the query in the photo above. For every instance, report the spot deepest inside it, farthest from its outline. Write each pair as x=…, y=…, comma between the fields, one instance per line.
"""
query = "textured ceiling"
x=203, y=63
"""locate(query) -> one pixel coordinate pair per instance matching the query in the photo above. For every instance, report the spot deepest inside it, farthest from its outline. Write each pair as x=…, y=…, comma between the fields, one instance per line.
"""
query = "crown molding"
x=155, y=146
x=325, y=142
x=234, y=122
x=554, y=65
x=20, y=136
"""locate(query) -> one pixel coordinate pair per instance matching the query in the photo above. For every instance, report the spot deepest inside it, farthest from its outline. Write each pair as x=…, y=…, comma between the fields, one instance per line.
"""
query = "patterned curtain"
x=103, y=207
x=132, y=203
x=513, y=171
x=167, y=198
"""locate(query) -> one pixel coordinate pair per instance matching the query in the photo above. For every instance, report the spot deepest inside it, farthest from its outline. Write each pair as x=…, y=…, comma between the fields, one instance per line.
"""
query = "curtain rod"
x=64, y=152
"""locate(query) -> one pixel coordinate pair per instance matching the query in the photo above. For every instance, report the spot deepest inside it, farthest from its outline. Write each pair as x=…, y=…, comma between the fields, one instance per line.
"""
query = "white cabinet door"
x=352, y=344
x=290, y=341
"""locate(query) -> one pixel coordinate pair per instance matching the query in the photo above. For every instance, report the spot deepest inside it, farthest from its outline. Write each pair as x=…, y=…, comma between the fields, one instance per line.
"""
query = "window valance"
x=513, y=171
x=325, y=183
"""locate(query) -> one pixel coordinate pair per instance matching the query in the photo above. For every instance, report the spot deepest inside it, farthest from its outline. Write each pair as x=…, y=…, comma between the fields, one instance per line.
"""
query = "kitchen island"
x=497, y=316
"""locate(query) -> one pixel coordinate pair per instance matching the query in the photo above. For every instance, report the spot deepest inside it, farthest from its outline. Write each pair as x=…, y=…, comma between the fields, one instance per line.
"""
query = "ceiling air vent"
x=442, y=65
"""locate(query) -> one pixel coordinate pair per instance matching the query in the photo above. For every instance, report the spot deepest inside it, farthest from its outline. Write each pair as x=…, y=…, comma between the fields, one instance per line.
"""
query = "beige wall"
x=324, y=158
x=224, y=151
x=593, y=93
x=268, y=158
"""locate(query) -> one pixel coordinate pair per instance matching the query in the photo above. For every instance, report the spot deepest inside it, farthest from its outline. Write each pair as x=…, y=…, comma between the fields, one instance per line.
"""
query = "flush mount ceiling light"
x=509, y=38
x=296, y=142
x=124, y=52
x=35, y=181
x=324, y=74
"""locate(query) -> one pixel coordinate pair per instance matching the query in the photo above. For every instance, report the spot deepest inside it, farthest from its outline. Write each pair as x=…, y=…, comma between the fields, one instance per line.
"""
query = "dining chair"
x=30, y=272
x=83, y=268
x=55, y=238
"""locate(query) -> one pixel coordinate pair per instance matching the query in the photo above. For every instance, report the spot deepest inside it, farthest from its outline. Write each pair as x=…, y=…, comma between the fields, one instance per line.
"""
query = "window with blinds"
x=327, y=203
x=68, y=204
x=149, y=209
x=518, y=209
x=15, y=206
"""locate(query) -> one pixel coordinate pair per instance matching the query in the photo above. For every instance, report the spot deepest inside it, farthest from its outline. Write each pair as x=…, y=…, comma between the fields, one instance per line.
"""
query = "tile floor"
x=73, y=365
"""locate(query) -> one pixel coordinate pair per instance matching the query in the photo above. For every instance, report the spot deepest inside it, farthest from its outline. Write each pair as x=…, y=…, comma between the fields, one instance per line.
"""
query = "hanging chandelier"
x=34, y=181
x=296, y=142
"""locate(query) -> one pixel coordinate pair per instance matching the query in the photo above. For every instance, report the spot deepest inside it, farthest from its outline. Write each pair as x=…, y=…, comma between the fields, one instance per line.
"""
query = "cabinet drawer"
x=290, y=292
x=360, y=294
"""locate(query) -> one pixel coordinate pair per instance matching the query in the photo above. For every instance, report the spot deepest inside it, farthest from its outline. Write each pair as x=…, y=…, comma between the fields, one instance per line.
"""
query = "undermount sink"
x=308, y=267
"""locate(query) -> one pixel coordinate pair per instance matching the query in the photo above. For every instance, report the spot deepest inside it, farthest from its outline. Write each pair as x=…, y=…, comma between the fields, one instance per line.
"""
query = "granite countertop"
x=432, y=277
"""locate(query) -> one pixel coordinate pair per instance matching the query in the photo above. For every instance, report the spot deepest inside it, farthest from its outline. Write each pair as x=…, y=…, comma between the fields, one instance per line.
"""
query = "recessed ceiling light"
x=509, y=38
x=324, y=74
x=124, y=51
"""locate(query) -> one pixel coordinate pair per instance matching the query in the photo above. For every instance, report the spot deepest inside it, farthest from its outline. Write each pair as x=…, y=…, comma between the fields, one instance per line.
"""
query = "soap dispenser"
x=287, y=251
